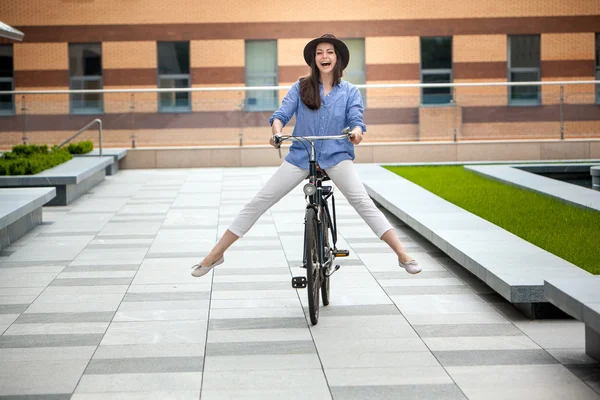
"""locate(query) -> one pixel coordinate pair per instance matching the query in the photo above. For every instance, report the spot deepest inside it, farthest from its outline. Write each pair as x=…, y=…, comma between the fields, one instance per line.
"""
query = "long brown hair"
x=309, y=84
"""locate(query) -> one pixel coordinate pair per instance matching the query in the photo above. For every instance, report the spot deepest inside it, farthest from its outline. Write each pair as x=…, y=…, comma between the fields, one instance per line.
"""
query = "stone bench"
x=71, y=179
x=580, y=298
x=511, y=266
x=21, y=211
x=595, y=172
x=117, y=154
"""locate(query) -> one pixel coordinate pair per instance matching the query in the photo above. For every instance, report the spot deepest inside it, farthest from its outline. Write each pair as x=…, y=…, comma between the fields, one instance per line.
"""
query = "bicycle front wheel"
x=313, y=276
x=325, y=288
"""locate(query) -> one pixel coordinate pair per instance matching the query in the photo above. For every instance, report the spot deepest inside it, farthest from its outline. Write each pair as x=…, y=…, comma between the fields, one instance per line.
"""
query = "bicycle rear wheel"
x=313, y=276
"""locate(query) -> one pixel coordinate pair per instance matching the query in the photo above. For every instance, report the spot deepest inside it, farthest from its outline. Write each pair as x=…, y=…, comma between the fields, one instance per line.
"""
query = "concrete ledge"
x=71, y=179
x=513, y=267
x=580, y=298
x=117, y=154
x=21, y=211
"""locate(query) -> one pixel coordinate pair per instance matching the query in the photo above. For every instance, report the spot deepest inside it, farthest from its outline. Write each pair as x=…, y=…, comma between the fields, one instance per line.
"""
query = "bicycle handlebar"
x=278, y=139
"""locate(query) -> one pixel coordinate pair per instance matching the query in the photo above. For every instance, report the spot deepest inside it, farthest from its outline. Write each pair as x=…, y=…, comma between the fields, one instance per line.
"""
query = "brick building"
x=113, y=44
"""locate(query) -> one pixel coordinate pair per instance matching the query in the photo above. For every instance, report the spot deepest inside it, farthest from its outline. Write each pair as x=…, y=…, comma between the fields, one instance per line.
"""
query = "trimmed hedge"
x=29, y=159
x=81, y=148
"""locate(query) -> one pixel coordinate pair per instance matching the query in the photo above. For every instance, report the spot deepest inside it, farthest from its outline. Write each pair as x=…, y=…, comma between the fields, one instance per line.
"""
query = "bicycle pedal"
x=299, y=282
x=341, y=253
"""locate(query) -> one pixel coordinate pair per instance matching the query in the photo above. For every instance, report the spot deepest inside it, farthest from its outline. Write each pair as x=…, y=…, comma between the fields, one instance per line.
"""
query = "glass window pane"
x=173, y=58
x=436, y=52
x=261, y=100
x=527, y=93
x=6, y=101
x=85, y=59
x=524, y=51
x=356, y=66
x=437, y=95
x=86, y=102
x=6, y=61
x=261, y=56
x=174, y=100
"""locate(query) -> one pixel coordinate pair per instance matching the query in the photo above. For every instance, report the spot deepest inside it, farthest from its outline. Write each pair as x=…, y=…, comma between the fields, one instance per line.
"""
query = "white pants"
x=288, y=176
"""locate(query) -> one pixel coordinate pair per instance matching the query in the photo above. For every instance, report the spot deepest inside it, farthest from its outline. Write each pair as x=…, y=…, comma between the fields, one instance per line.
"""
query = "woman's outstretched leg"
x=286, y=178
x=346, y=178
x=218, y=251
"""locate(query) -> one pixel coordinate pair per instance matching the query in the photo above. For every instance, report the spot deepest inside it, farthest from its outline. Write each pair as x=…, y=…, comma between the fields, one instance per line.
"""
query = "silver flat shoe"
x=199, y=270
x=412, y=267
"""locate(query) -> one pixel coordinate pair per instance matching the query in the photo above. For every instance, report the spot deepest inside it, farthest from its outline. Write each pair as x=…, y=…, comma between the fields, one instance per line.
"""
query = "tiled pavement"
x=98, y=303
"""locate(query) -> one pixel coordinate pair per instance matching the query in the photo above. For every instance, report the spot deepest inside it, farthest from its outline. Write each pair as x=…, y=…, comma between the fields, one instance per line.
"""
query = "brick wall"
x=105, y=12
x=217, y=30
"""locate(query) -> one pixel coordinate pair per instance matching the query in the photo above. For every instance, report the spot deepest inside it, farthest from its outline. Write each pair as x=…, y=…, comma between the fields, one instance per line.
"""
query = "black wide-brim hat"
x=342, y=49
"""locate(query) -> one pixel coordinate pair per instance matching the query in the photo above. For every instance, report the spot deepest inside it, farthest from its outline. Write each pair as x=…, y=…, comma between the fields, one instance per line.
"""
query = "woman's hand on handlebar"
x=272, y=141
x=356, y=135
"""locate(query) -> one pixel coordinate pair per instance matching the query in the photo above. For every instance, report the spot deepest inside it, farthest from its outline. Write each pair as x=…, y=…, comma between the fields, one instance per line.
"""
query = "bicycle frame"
x=318, y=200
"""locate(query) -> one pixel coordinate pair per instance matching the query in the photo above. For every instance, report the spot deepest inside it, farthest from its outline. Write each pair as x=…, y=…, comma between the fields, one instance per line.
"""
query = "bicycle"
x=320, y=229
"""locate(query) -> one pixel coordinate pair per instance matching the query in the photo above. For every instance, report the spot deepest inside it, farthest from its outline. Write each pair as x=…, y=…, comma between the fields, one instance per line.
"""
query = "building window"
x=174, y=73
x=598, y=67
x=436, y=67
x=355, y=71
x=524, y=66
x=261, y=70
x=7, y=81
x=85, y=73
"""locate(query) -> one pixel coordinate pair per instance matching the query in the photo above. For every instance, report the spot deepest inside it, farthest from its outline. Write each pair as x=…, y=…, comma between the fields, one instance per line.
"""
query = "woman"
x=324, y=104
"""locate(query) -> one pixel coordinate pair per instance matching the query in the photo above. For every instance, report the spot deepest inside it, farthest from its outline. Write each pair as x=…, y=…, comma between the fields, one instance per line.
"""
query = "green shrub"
x=81, y=148
x=24, y=150
x=31, y=159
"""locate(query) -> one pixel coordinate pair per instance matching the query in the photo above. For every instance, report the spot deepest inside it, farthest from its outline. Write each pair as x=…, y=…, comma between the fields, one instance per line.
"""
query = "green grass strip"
x=570, y=232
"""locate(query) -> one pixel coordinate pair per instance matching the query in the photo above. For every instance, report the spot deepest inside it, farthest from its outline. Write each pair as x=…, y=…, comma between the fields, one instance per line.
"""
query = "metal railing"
x=393, y=113
x=262, y=88
x=85, y=128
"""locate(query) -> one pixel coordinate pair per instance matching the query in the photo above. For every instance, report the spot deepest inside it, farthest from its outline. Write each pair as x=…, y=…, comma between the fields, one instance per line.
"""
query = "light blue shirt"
x=341, y=108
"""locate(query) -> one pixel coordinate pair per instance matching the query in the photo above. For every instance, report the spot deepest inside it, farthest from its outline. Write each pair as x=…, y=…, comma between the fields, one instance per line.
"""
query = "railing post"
x=562, y=112
x=100, y=135
x=132, y=109
x=242, y=120
x=24, y=138
x=454, y=113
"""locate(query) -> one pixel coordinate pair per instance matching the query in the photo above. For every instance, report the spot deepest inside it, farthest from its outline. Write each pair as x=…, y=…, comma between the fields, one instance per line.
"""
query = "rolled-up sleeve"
x=355, y=109
x=288, y=105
